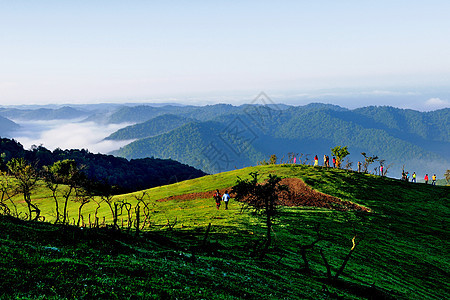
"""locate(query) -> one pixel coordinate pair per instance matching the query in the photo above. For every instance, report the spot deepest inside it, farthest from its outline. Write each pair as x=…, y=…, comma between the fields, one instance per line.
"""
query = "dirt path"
x=299, y=194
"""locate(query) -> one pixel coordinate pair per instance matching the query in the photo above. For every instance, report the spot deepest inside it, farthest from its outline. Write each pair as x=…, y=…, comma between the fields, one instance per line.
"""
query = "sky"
x=350, y=53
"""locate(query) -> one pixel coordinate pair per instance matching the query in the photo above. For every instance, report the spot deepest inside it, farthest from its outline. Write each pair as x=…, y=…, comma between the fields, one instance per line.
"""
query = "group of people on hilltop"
x=433, y=179
x=406, y=177
x=219, y=198
x=326, y=161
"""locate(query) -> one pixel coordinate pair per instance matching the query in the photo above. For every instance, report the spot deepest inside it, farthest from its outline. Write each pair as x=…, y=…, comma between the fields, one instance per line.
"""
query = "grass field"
x=403, y=251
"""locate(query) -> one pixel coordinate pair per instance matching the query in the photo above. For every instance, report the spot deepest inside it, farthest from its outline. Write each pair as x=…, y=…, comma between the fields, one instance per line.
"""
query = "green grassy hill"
x=403, y=251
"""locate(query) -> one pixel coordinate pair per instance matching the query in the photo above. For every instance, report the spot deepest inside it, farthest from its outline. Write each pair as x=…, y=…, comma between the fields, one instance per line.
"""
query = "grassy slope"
x=404, y=250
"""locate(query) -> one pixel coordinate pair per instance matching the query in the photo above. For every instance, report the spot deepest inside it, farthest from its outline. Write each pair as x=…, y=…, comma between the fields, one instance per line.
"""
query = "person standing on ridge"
x=316, y=161
x=426, y=178
x=334, y=162
x=381, y=170
x=324, y=160
x=226, y=198
x=359, y=167
x=217, y=197
x=433, y=179
x=413, y=177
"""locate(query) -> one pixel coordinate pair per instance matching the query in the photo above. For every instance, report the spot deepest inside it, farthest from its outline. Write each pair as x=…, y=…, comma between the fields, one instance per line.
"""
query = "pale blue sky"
x=218, y=51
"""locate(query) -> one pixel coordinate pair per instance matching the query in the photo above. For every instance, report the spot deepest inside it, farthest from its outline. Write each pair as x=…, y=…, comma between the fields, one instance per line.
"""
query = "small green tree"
x=2, y=161
x=27, y=177
x=273, y=159
x=64, y=172
x=261, y=197
x=339, y=152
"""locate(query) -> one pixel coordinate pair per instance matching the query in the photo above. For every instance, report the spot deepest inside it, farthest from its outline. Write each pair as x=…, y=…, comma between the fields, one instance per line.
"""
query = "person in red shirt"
x=426, y=178
x=217, y=197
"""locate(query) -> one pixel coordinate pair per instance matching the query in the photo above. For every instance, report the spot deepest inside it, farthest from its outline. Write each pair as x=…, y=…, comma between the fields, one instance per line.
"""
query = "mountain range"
x=241, y=136
x=222, y=137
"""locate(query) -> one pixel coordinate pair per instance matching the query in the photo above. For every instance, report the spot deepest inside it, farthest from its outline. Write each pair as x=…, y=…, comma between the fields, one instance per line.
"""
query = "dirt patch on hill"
x=299, y=194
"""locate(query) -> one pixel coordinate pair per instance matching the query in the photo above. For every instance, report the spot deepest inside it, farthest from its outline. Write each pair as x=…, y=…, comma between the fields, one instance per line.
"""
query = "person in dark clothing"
x=217, y=197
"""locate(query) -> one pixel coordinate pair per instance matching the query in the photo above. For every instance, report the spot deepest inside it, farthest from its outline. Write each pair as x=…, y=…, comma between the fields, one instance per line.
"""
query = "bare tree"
x=348, y=164
x=291, y=156
x=330, y=278
x=306, y=159
x=146, y=209
x=8, y=191
x=303, y=248
x=367, y=161
x=108, y=199
x=82, y=197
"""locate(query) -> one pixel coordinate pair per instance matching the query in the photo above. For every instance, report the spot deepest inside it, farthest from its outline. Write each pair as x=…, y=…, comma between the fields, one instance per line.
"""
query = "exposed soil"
x=299, y=194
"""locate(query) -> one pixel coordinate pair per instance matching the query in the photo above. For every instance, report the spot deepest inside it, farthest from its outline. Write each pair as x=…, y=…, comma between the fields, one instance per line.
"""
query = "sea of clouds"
x=69, y=134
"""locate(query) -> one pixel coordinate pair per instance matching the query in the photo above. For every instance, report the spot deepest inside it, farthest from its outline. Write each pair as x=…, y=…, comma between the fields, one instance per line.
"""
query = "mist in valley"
x=68, y=134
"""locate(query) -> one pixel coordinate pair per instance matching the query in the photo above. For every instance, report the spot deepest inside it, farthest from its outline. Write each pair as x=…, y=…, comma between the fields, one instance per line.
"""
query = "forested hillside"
x=225, y=137
x=6, y=126
x=417, y=141
x=142, y=113
x=153, y=127
x=127, y=175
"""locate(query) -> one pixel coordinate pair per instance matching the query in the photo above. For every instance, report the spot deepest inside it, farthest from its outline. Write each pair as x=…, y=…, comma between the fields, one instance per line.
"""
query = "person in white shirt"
x=226, y=198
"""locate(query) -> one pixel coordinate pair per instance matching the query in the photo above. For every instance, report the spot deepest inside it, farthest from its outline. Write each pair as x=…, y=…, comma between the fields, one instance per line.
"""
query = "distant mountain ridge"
x=420, y=141
x=222, y=137
x=142, y=113
x=65, y=112
x=158, y=125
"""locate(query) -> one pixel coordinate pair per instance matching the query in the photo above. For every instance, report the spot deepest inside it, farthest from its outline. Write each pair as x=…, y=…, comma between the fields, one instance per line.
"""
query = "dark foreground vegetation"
x=397, y=248
x=40, y=260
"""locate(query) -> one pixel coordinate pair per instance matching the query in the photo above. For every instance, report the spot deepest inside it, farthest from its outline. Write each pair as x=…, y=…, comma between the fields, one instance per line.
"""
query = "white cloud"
x=436, y=103
x=69, y=135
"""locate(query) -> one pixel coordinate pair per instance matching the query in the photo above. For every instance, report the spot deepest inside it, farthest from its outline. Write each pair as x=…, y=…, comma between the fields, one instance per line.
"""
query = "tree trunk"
x=31, y=207
x=305, y=260
x=330, y=279
x=79, y=213
x=66, y=200
x=137, y=219
x=341, y=269
x=205, y=238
